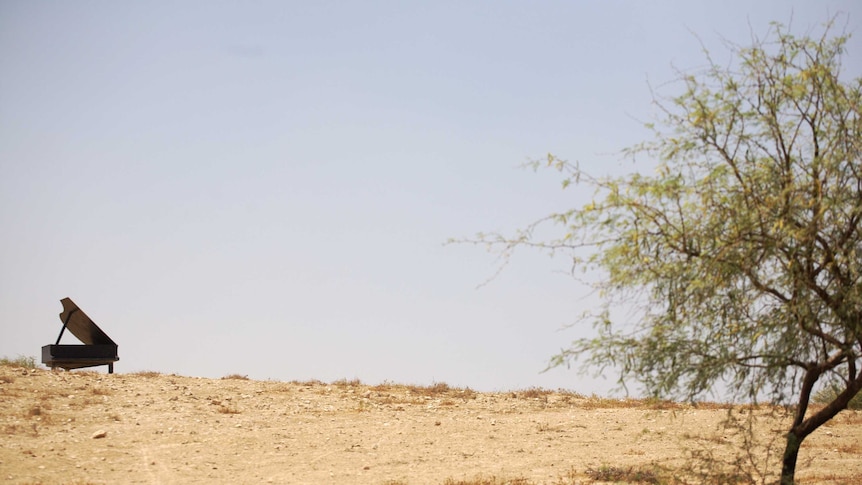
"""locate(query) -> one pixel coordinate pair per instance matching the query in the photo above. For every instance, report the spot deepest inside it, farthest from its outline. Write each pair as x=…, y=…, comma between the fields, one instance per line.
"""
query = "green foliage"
x=20, y=361
x=831, y=392
x=740, y=257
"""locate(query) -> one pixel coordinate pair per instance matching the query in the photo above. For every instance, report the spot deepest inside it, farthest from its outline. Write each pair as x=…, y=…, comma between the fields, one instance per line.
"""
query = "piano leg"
x=110, y=368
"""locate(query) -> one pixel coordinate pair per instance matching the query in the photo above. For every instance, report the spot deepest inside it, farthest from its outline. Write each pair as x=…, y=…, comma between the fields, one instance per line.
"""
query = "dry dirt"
x=87, y=427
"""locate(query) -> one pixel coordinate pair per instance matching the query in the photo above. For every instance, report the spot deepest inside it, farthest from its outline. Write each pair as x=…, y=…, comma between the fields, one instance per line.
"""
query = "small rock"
x=99, y=434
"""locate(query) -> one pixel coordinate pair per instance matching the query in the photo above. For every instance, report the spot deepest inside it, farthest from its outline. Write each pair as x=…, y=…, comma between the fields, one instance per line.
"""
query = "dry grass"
x=308, y=383
x=534, y=393
x=40, y=409
x=344, y=383
x=854, y=449
x=388, y=393
x=598, y=402
x=20, y=361
x=609, y=473
x=146, y=373
x=834, y=479
x=228, y=409
x=441, y=389
x=238, y=377
x=480, y=480
x=570, y=478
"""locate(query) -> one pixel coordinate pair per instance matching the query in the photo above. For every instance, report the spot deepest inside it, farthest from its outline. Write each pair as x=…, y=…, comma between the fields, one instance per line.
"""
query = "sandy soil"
x=87, y=427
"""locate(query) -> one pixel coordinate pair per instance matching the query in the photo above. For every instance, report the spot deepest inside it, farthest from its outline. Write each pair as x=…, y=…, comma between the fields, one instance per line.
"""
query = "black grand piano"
x=98, y=348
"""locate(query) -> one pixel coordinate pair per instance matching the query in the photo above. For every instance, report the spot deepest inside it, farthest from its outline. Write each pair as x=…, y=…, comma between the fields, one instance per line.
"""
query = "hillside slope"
x=86, y=427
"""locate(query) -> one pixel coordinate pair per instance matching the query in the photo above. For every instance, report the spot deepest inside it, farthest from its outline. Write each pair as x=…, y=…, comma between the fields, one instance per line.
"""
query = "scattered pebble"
x=99, y=434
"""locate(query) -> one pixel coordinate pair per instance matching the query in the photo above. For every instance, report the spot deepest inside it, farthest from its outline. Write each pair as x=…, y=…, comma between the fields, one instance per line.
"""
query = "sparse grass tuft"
x=835, y=478
x=597, y=402
x=435, y=389
x=238, y=377
x=308, y=383
x=346, y=383
x=228, y=409
x=440, y=389
x=533, y=393
x=20, y=361
x=480, y=480
x=610, y=473
x=146, y=373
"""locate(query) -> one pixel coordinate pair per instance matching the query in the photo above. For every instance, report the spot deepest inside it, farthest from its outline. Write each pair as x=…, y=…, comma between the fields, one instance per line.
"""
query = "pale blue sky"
x=264, y=188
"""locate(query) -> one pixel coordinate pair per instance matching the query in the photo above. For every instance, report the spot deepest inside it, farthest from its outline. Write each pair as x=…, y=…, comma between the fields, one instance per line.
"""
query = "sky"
x=265, y=188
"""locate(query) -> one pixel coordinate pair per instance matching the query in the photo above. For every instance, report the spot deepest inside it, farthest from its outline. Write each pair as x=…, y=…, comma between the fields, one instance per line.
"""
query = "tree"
x=742, y=252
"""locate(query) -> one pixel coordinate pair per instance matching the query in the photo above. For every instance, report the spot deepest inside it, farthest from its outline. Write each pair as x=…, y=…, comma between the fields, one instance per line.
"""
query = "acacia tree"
x=743, y=251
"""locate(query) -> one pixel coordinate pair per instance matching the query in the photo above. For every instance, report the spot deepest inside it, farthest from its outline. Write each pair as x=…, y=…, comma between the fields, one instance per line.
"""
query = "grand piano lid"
x=81, y=326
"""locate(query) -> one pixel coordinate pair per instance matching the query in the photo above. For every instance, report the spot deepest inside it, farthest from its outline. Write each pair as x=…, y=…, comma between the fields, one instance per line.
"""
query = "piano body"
x=98, y=348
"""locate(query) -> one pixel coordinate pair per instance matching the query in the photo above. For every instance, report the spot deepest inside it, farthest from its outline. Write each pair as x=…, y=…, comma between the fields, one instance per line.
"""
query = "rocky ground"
x=88, y=427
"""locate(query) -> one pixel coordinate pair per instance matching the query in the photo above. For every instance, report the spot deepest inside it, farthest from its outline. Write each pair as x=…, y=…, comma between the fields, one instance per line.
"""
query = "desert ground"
x=89, y=427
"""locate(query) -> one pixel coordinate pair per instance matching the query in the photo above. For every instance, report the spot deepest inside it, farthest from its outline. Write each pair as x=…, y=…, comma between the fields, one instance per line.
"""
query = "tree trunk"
x=791, y=453
x=803, y=427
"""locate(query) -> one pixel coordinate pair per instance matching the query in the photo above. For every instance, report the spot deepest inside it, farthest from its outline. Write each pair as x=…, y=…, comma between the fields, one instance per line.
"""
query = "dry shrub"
x=533, y=393
x=389, y=393
x=308, y=383
x=238, y=377
x=346, y=383
x=38, y=413
x=834, y=478
x=435, y=389
x=441, y=389
x=610, y=473
x=481, y=480
x=228, y=409
x=601, y=402
x=20, y=361
x=146, y=373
